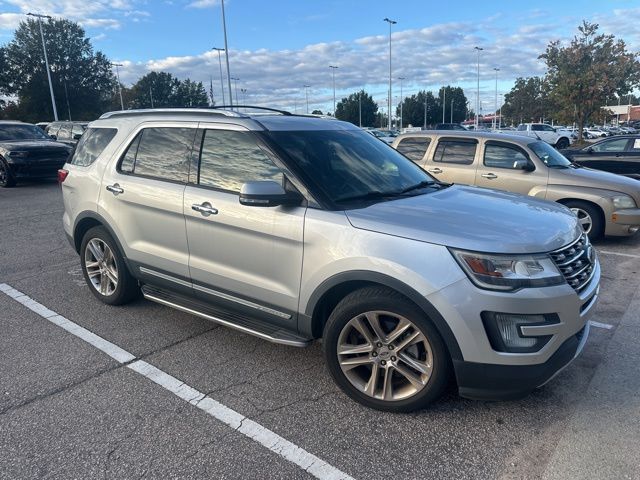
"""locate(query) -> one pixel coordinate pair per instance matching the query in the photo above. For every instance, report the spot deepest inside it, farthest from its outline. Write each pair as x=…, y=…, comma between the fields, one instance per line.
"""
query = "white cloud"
x=10, y=21
x=203, y=3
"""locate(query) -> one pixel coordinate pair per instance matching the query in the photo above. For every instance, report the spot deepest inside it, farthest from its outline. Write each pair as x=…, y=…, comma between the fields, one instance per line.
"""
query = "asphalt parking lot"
x=68, y=410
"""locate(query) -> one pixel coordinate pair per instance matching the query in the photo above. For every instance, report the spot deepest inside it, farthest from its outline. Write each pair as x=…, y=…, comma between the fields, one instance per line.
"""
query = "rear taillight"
x=62, y=175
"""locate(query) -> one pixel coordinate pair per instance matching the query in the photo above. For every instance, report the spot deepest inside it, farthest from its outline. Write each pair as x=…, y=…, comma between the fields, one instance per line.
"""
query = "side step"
x=262, y=330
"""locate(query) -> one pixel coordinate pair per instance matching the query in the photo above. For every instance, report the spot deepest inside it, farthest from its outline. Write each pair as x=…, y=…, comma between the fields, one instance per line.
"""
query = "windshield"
x=549, y=155
x=21, y=132
x=350, y=165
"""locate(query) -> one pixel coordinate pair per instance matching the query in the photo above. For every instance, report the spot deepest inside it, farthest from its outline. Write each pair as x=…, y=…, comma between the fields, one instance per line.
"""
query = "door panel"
x=495, y=169
x=453, y=160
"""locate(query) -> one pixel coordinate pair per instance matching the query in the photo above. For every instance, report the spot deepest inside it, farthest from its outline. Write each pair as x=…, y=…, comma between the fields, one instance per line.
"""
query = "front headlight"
x=623, y=201
x=508, y=272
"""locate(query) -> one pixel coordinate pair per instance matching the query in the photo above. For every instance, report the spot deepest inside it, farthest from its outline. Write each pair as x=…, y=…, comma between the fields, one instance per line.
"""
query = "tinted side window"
x=77, y=130
x=616, y=145
x=414, y=148
x=455, y=151
x=502, y=156
x=160, y=152
x=91, y=145
x=522, y=128
x=536, y=128
x=229, y=158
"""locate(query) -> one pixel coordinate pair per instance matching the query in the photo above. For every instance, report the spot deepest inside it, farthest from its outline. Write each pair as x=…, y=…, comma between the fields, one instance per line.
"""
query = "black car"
x=449, y=126
x=620, y=154
x=27, y=152
x=66, y=132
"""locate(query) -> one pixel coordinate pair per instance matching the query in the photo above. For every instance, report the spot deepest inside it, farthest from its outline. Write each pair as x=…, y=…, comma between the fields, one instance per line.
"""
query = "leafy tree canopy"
x=349, y=109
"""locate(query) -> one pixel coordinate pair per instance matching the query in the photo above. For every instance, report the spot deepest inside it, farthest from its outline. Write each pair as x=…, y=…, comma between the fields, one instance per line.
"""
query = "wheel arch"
x=87, y=220
x=327, y=295
x=599, y=208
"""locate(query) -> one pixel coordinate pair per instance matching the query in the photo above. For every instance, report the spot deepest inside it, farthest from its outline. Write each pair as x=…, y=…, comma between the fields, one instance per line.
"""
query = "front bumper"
x=483, y=372
x=624, y=222
x=25, y=168
x=481, y=381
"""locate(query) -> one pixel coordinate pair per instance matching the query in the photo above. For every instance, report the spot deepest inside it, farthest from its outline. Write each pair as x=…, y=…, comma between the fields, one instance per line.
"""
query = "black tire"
x=562, y=143
x=597, y=218
x=7, y=180
x=384, y=299
x=127, y=287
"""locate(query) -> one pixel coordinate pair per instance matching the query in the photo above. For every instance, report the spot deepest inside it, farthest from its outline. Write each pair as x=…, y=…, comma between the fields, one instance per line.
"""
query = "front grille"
x=576, y=262
x=46, y=154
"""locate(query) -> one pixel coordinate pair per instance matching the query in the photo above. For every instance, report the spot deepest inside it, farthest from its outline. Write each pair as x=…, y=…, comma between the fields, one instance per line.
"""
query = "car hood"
x=30, y=145
x=473, y=218
x=587, y=177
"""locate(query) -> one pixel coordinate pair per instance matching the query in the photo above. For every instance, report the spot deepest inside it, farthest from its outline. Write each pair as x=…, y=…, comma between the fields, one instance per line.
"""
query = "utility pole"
x=496, y=110
x=478, y=49
x=401, y=102
x=151, y=96
x=235, y=81
x=425, y=110
x=66, y=94
x=451, y=121
x=306, y=95
x=444, y=101
x=333, y=69
x=119, y=84
x=390, y=22
x=220, y=65
x=46, y=61
x=226, y=54
x=360, y=108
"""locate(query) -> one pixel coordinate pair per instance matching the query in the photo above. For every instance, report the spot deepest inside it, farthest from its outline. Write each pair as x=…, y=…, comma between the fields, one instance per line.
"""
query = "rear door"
x=245, y=258
x=497, y=168
x=453, y=160
x=142, y=197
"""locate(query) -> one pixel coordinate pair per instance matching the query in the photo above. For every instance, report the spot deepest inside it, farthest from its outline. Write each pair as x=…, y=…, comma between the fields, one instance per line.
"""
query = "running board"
x=258, y=329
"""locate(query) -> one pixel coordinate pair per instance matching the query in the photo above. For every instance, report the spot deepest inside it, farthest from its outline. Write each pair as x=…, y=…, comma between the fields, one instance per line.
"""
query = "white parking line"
x=606, y=326
x=607, y=252
x=265, y=437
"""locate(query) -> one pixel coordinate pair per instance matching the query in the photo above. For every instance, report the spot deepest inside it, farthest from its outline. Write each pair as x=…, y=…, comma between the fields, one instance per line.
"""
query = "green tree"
x=419, y=110
x=591, y=69
x=190, y=94
x=316, y=112
x=528, y=101
x=163, y=90
x=73, y=63
x=348, y=109
x=455, y=94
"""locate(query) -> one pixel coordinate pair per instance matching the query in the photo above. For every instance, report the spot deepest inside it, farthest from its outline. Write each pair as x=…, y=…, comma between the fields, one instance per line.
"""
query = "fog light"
x=633, y=229
x=505, y=335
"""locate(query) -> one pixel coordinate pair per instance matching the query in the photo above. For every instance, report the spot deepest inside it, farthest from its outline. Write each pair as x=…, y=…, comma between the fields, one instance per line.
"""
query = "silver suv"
x=295, y=228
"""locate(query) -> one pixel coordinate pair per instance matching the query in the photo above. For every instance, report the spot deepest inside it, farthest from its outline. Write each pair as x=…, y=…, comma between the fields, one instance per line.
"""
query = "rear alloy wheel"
x=589, y=218
x=6, y=179
x=384, y=353
x=562, y=143
x=104, y=269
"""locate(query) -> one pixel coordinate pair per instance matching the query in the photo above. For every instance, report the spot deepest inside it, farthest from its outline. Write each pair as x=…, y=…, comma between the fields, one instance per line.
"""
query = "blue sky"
x=276, y=47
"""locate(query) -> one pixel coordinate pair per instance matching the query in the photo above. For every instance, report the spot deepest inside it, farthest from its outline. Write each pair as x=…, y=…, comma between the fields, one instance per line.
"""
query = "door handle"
x=205, y=209
x=490, y=176
x=115, y=189
x=435, y=170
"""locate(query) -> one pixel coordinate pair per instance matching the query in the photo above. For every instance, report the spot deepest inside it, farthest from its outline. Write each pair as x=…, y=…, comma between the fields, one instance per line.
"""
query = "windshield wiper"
x=423, y=184
x=374, y=195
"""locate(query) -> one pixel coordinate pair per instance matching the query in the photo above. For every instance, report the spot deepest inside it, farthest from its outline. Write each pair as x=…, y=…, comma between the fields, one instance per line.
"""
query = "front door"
x=246, y=258
x=503, y=167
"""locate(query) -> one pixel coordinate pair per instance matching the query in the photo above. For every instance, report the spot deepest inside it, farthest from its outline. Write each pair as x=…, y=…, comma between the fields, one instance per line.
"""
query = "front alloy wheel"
x=384, y=352
x=585, y=220
x=385, y=356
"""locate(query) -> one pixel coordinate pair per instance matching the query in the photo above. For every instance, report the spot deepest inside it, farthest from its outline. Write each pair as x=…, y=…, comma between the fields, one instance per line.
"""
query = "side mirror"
x=523, y=165
x=590, y=150
x=77, y=136
x=54, y=137
x=267, y=193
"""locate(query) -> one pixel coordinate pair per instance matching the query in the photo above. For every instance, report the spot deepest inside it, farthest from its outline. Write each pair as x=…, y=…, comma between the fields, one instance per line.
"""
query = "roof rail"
x=282, y=112
x=179, y=111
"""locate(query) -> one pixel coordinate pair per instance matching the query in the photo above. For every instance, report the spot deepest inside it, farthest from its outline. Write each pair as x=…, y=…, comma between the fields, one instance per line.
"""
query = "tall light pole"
x=119, y=84
x=451, y=121
x=444, y=101
x=226, y=54
x=244, y=92
x=496, y=110
x=333, y=69
x=478, y=49
x=360, y=108
x=390, y=22
x=426, y=109
x=46, y=61
x=220, y=65
x=235, y=82
x=306, y=95
x=401, y=101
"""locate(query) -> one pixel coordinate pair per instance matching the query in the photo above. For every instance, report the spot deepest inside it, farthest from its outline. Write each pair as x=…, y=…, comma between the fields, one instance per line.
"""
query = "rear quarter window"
x=414, y=148
x=91, y=145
